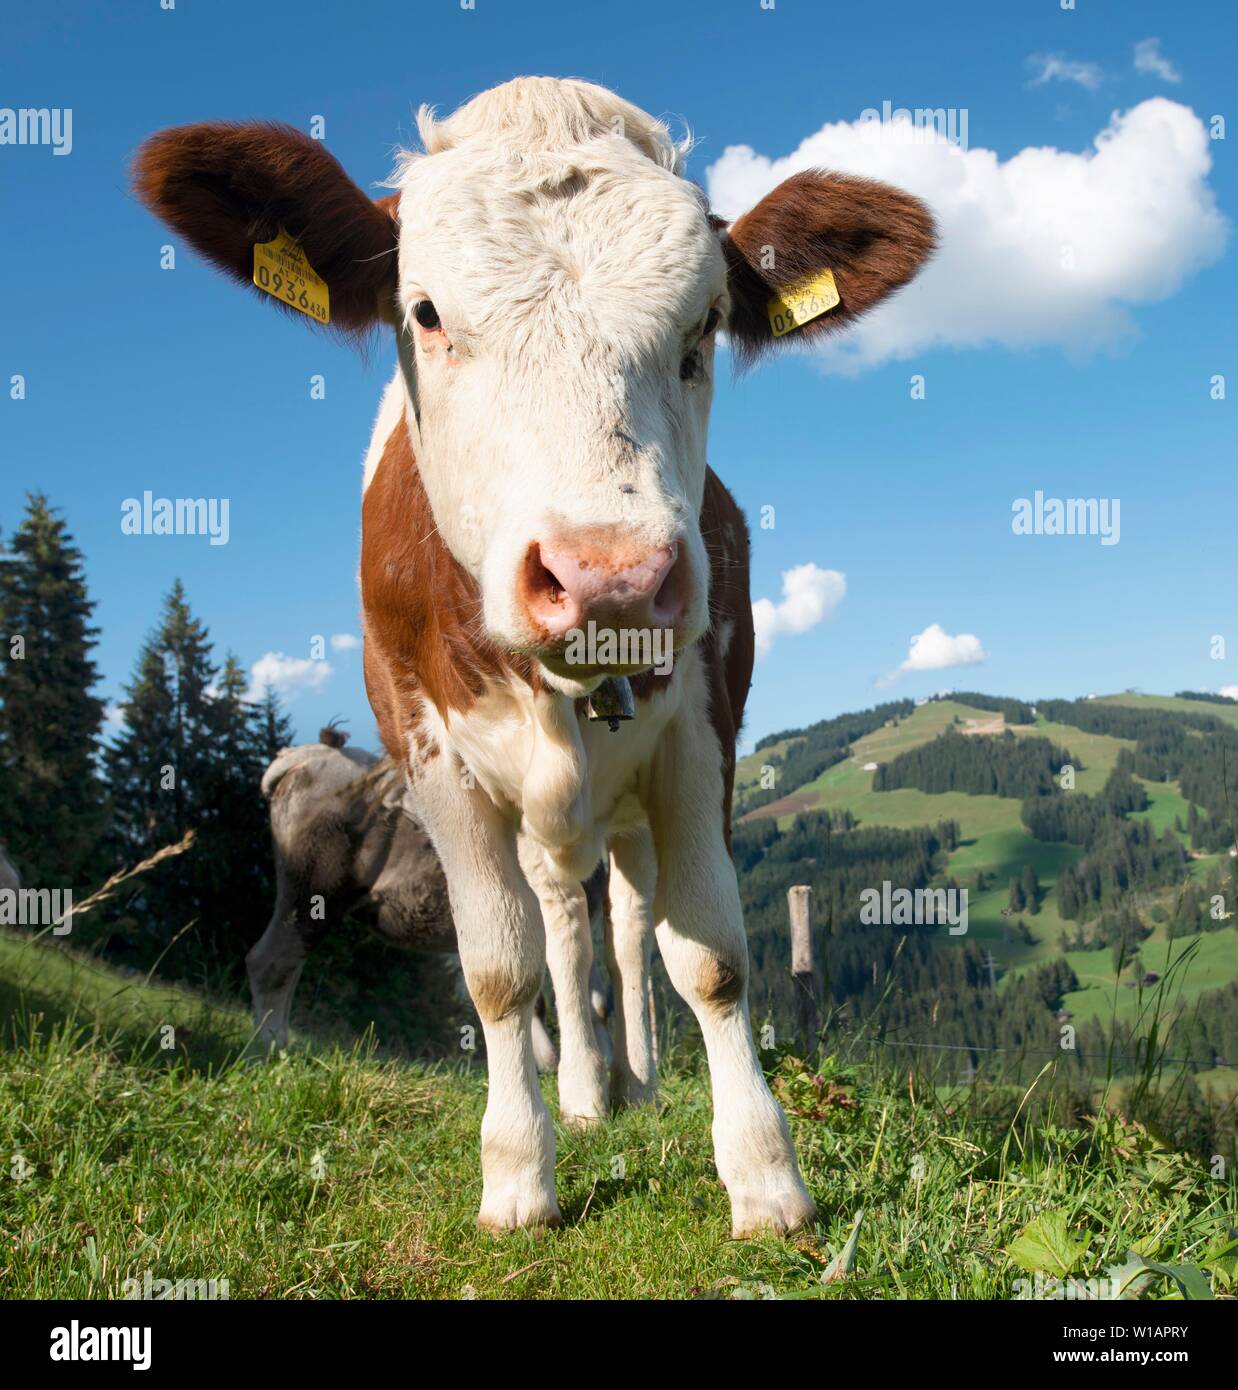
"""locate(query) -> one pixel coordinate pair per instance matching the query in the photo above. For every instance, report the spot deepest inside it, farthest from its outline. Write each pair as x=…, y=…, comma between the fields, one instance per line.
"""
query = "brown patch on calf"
x=423, y=633
x=498, y=993
x=728, y=674
x=873, y=237
x=720, y=982
x=224, y=186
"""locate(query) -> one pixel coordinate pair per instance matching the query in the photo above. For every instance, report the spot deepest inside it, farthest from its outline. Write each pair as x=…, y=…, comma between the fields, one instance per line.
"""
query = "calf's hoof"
x=579, y=1124
x=771, y=1210
x=627, y=1092
x=513, y=1210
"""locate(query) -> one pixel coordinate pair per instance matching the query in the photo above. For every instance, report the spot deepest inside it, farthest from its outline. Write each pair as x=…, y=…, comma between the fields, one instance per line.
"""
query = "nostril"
x=543, y=585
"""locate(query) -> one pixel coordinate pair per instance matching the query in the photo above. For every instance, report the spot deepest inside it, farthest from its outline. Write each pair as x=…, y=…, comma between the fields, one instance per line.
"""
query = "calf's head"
x=555, y=287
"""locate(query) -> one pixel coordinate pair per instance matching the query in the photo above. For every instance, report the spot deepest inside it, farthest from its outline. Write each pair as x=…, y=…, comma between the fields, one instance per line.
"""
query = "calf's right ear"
x=225, y=187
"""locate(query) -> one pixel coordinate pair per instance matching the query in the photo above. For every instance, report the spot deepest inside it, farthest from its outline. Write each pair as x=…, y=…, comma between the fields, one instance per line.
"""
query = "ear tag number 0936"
x=802, y=301
x=280, y=268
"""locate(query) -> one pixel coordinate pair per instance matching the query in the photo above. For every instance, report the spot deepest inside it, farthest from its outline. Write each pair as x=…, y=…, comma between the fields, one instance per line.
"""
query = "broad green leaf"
x=1046, y=1246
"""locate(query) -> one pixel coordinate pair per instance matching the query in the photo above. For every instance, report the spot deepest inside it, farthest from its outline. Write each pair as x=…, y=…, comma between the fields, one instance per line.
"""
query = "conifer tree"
x=1018, y=901
x=1031, y=889
x=275, y=730
x=157, y=765
x=52, y=812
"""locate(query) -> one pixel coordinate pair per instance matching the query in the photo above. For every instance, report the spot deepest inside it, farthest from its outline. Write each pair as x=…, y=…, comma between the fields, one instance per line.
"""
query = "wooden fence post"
x=803, y=966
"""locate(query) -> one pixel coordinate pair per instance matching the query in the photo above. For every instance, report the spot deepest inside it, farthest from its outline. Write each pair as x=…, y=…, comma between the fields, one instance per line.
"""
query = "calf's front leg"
x=701, y=937
x=569, y=950
x=502, y=950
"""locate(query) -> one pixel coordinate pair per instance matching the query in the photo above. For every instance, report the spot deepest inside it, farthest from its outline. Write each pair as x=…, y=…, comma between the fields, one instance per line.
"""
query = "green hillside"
x=994, y=843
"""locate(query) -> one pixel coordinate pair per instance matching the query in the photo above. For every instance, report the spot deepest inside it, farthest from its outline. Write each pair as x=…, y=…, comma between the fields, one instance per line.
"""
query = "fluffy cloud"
x=1230, y=690
x=288, y=674
x=809, y=595
x=1152, y=62
x=1052, y=67
x=1047, y=247
x=934, y=650
x=345, y=642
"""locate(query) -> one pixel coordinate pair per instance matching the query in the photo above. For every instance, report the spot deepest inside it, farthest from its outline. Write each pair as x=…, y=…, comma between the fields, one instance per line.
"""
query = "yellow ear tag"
x=802, y=301
x=281, y=269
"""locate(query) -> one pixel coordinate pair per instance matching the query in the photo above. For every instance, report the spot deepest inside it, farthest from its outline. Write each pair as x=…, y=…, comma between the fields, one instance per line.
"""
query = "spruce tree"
x=1031, y=889
x=275, y=730
x=52, y=813
x=191, y=757
x=157, y=765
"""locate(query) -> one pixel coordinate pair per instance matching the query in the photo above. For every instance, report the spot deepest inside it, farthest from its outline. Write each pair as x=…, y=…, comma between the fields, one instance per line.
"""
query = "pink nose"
x=568, y=584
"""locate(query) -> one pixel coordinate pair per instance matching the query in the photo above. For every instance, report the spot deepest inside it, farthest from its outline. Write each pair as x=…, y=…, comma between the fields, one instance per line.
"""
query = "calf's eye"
x=426, y=315
x=712, y=319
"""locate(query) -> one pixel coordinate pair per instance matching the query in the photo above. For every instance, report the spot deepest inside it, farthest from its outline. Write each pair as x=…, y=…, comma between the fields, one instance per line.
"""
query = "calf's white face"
x=558, y=346
x=555, y=286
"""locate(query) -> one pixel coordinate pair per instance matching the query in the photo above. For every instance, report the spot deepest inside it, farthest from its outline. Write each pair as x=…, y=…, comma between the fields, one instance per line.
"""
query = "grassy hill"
x=994, y=840
x=340, y=1174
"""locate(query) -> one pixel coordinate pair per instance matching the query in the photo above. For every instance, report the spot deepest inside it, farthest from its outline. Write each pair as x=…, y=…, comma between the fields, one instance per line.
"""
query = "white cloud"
x=934, y=650
x=114, y=718
x=345, y=642
x=809, y=595
x=1135, y=211
x=288, y=674
x=1230, y=690
x=1151, y=61
x=1053, y=67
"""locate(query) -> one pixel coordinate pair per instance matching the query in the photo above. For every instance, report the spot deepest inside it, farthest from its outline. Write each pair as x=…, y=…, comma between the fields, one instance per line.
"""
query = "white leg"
x=545, y=1054
x=629, y=943
x=503, y=954
x=701, y=937
x=569, y=955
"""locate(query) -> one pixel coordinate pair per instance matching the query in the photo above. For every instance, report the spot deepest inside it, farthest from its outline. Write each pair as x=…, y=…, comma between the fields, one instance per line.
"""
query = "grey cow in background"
x=345, y=841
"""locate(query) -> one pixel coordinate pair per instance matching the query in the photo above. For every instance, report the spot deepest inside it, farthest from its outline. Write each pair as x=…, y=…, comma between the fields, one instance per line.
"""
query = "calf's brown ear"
x=872, y=238
x=225, y=187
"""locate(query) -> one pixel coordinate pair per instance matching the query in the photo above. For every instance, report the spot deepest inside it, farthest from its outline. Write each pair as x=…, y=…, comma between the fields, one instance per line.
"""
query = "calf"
x=536, y=487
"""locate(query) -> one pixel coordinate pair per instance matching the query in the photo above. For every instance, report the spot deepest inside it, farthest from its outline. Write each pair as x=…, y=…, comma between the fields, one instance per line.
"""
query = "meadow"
x=142, y=1139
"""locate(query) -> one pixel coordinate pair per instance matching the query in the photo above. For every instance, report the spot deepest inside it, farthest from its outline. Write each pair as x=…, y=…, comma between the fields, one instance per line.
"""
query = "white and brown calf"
x=538, y=469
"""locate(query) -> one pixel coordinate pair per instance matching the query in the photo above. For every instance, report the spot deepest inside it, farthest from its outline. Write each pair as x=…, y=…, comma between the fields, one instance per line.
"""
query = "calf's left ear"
x=871, y=238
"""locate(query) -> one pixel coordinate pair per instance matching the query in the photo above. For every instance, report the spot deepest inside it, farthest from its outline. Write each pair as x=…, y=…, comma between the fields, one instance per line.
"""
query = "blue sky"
x=139, y=378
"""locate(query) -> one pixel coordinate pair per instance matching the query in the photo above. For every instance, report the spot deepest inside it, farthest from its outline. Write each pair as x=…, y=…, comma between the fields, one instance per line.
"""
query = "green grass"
x=1214, y=963
x=921, y=726
x=1002, y=854
x=1166, y=804
x=335, y=1174
x=1097, y=753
